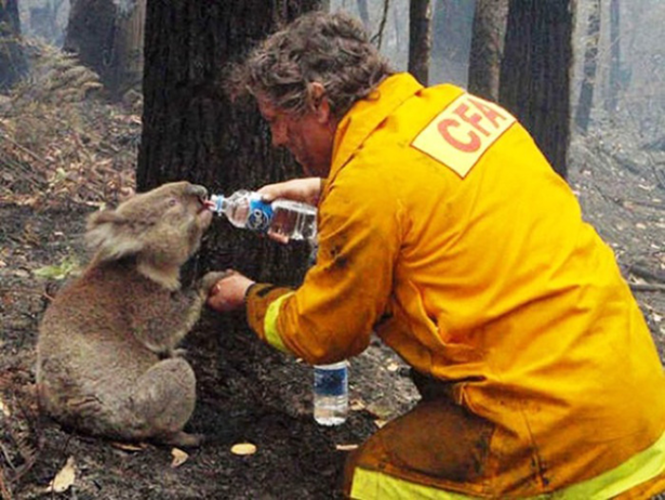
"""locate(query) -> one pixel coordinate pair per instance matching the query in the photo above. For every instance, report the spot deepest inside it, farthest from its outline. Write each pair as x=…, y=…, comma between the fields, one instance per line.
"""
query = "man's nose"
x=278, y=133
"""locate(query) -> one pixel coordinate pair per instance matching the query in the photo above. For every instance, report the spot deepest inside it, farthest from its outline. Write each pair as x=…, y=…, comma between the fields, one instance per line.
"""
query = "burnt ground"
x=248, y=392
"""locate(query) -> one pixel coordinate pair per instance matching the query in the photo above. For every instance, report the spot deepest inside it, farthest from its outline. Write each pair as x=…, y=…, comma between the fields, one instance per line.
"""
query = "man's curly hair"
x=332, y=49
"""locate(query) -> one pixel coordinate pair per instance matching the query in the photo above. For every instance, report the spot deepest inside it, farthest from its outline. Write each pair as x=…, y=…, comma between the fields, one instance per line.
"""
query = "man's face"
x=308, y=137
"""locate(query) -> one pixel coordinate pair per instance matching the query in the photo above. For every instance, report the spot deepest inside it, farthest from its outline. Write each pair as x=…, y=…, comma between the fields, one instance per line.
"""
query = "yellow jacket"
x=444, y=229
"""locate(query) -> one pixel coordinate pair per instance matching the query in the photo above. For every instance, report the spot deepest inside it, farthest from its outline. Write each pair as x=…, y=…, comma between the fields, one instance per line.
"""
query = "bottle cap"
x=214, y=204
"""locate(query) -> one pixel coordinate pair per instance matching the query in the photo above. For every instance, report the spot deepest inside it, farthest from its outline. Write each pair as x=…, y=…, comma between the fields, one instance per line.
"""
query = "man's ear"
x=318, y=101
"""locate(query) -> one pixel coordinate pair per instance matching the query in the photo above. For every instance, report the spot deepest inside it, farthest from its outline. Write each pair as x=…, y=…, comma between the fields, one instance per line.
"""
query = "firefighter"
x=443, y=229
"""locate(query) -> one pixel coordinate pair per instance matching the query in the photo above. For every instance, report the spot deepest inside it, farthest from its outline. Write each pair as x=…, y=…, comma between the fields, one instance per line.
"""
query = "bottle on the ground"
x=246, y=209
x=331, y=393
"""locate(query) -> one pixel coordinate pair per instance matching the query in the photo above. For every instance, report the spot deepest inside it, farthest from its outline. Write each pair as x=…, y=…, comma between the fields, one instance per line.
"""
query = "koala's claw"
x=210, y=279
x=178, y=353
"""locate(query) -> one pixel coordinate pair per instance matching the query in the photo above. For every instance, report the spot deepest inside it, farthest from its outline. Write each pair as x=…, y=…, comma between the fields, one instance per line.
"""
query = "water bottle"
x=331, y=393
x=246, y=209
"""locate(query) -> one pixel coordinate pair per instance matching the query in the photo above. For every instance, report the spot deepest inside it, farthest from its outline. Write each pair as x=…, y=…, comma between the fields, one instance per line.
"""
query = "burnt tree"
x=451, y=40
x=91, y=34
x=13, y=64
x=489, y=28
x=107, y=36
x=191, y=130
x=535, y=73
x=585, y=101
x=419, y=39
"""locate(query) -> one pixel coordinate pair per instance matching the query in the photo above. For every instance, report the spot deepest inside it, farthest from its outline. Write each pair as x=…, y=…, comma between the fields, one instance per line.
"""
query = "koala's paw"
x=210, y=279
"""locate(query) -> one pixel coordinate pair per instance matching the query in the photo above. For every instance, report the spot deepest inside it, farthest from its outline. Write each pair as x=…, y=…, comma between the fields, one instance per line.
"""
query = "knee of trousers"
x=438, y=444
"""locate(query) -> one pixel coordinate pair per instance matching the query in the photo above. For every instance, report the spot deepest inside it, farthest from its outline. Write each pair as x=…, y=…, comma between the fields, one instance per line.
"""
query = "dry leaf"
x=5, y=409
x=243, y=449
x=380, y=423
x=64, y=478
x=346, y=447
x=357, y=405
x=392, y=367
x=129, y=446
x=179, y=457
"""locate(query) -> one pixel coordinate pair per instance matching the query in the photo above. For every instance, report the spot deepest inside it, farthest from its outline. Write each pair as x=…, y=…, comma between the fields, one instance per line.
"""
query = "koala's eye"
x=173, y=202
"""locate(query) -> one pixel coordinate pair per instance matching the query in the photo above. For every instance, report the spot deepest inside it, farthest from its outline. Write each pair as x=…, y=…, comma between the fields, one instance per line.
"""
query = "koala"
x=107, y=362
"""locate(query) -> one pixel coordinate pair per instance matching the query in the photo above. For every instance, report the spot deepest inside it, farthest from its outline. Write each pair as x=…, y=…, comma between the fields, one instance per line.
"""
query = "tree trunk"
x=451, y=41
x=13, y=64
x=363, y=12
x=191, y=131
x=419, y=39
x=91, y=35
x=535, y=73
x=489, y=30
x=615, y=57
x=585, y=103
x=129, y=48
x=108, y=38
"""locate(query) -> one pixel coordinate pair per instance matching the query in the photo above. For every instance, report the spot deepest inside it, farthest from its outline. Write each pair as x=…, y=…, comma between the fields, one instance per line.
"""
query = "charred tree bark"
x=191, y=130
x=585, y=102
x=535, y=73
x=419, y=39
x=13, y=63
x=91, y=32
x=488, y=33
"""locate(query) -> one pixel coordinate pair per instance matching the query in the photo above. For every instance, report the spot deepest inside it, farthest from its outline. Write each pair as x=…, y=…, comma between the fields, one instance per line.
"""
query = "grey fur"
x=107, y=363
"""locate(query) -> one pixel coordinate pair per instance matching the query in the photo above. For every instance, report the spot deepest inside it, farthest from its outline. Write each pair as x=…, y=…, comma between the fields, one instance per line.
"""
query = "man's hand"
x=306, y=190
x=229, y=292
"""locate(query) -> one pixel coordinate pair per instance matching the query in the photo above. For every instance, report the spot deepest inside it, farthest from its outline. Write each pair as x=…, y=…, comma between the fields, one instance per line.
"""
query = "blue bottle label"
x=330, y=382
x=260, y=215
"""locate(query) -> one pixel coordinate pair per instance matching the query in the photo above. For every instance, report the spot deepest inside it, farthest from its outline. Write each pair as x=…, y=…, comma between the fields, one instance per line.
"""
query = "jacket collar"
x=367, y=114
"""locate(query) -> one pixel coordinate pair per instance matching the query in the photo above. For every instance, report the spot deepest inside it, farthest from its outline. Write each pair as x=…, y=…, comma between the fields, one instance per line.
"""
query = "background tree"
x=535, y=73
x=451, y=41
x=363, y=12
x=585, y=102
x=419, y=39
x=107, y=36
x=615, y=82
x=13, y=64
x=489, y=29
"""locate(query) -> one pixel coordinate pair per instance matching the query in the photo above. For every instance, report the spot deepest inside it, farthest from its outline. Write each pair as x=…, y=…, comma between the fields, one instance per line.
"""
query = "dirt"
x=249, y=393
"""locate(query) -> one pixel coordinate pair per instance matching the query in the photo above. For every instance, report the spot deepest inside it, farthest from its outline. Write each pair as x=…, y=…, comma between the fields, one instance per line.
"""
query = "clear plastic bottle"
x=331, y=393
x=246, y=209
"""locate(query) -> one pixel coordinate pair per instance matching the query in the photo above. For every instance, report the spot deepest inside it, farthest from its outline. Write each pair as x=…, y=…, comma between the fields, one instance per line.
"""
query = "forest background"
x=99, y=98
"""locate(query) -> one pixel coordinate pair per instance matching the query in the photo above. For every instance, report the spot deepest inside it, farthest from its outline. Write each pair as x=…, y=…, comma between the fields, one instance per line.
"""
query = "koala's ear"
x=110, y=235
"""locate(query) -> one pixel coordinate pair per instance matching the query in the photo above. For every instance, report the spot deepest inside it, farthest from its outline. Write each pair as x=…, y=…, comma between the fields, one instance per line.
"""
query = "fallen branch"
x=647, y=287
x=6, y=495
x=647, y=274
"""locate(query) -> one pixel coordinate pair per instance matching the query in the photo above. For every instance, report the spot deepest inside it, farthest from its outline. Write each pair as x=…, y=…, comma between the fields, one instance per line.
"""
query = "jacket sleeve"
x=331, y=316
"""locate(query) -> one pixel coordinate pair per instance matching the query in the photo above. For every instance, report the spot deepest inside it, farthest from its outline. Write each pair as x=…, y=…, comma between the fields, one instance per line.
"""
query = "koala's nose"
x=198, y=191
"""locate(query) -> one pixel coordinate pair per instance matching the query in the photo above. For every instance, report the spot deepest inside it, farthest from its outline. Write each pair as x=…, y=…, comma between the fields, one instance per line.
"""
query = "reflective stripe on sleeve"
x=640, y=468
x=270, y=323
